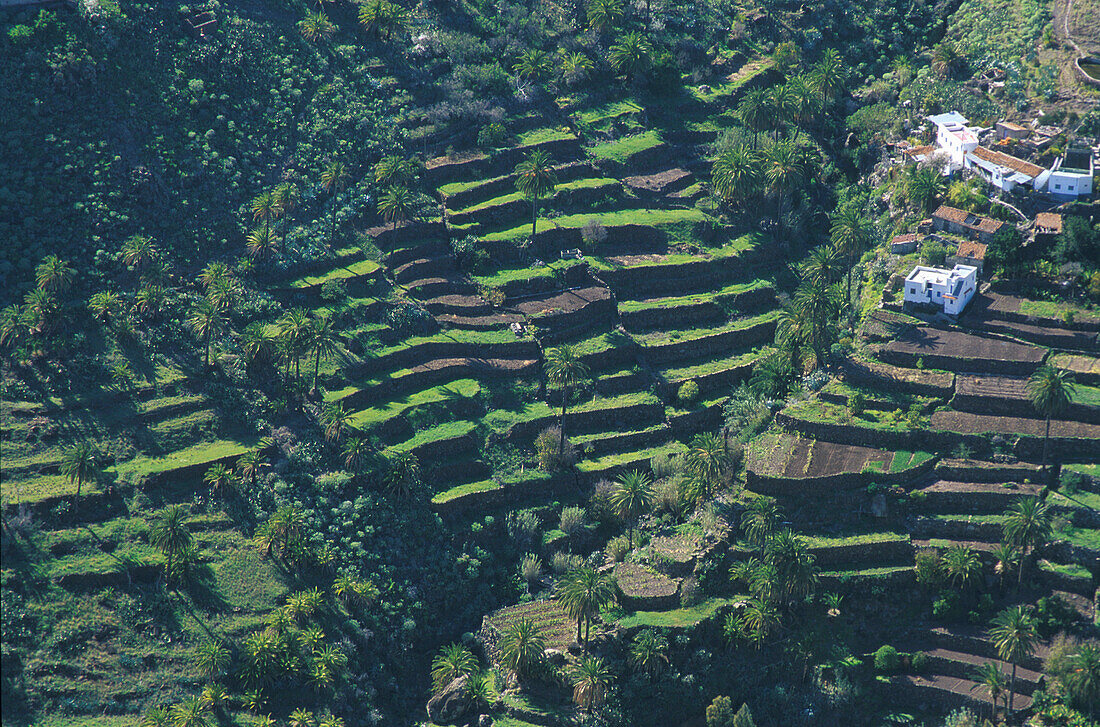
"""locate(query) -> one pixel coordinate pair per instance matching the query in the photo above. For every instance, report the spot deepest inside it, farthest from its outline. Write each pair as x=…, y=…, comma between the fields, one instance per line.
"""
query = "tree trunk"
x=1011, y=692
x=534, y=217
x=206, y=359
x=1046, y=444
x=316, y=368
x=561, y=421
x=579, y=619
x=332, y=223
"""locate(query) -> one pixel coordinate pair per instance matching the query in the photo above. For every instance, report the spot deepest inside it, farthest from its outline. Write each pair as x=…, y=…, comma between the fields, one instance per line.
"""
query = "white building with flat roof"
x=949, y=289
x=954, y=137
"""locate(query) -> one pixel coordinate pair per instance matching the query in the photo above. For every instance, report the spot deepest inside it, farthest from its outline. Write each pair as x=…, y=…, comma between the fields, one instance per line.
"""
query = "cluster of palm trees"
x=268, y=237
x=297, y=335
x=780, y=572
x=381, y=18
x=223, y=481
x=395, y=176
x=42, y=306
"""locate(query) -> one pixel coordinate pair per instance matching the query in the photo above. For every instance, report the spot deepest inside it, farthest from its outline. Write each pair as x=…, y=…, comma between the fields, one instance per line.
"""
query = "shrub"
x=617, y=548
x=553, y=455
x=565, y=562
x=667, y=497
x=961, y=717
x=491, y=136
x=600, y=509
x=887, y=660
x=1072, y=481
x=720, y=712
x=523, y=527
x=919, y=664
x=334, y=291
x=572, y=520
x=688, y=393
x=665, y=465
x=690, y=593
x=962, y=452
x=929, y=568
x=530, y=568
x=933, y=253
x=593, y=233
x=857, y=402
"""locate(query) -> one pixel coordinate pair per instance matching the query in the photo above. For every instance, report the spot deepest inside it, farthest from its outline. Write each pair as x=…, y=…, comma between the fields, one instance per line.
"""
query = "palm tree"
x=336, y=420
x=535, y=179
x=334, y=178
x=758, y=620
x=355, y=452
x=264, y=208
x=262, y=242
x=631, y=55
x=156, y=717
x=452, y=661
x=218, y=478
x=631, y=496
x=829, y=75
x=782, y=107
x=294, y=330
x=521, y=648
x=381, y=17
x=575, y=67
x=301, y=718
x=282, y=530
x=105, y=306
x=564, y=368
x=604, y=15
x=735, y=174
x=139, y=251
x=806, y=101
x=403, y=475
x=325, y=342
x=54, y=275
x=753, y=112
x=965, y=195
x=809, y=321
x=207, y=321
x=961, y=565
x=79, y=464
x=397, y=204
x=248, y=466
x=946, y=58
x=649, y=652
x=190, y=712
x=582, y=593
x=822, y=266
x=759, y=520
x=1005, y=557
x=1083, y=678
x=316, y=26
x=14, y=326
x=150, y=300
x=795, y=567
x=708, y=461
x=1050, y=390
x=395, y=170
x=591, y=681
x=39, y=308
x=534, y=64
x=168, y=531
x=257, y=343
x=784, y=171
x=285, y=198
x=922, y=186
x=1014, y=637
x=851, y=233
x=1027, y=525
x=990, y=676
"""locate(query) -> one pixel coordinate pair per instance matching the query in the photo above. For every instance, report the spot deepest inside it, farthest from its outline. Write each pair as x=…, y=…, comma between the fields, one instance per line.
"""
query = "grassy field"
x=678, y=618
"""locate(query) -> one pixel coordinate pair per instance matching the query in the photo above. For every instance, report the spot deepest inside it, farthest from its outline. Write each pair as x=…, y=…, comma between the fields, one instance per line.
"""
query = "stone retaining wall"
x=500, y=186
x=856, y=554
x=523, y=433
x=712, y=344
x=935, y=384
x=682, y=316
x=498, y=164
x=411, y=356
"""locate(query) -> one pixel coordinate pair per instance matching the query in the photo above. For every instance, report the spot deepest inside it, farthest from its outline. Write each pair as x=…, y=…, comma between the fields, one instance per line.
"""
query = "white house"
x=951, y=289
x=1071, y=176
x=954, y=137
x=1003, y=171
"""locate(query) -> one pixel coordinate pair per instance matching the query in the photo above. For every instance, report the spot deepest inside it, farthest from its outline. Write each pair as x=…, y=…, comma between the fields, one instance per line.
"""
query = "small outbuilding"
x=970, y=253
x=905, y=244
x=950, y=290
x=968, y=224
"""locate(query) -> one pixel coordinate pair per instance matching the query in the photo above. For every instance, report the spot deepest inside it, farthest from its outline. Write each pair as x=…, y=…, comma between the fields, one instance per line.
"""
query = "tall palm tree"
x=403, y=475
x=105, y=306
x=521, y=648
x=325, y=342
x=535, y=179
x=218, y=478
x=631, y=55
x=707, y=460
x=990, y=676
x=261, y=242
x=381, y=17
x=604, y=15
x=54, y=275
x=1083, y=679
x=1006, y=557
x=758, y=620
x=822, y=266
x=851, y=232
x=961, y=565
x=784, y=172
x=294, y=329
x=79, y=464
x=248, y=466
x=631, y=496
x=575, y=67
x=807, y=102
x=282, y=530
x=1027, y=525
x=355, y=452
x=829, y=75
x=168, y=532
x=735, y=174
x=150, y=299
x=316, y=26
x=564, y=368
x=334, y=178
x=394, y=169
x=1014, y=636
x=138, y=251
x=206, y=320
x=397, y=204
x=795, y=567
x=1050, y=390
x=264, y=208
x=534, y=64
x=452, y=661
x=285, y=197
x=810, y=319
x=582, y=593
x=336, y=419
x=591, y=680
x=40, y=309
x=946, y=58
x=257, y=343
x=14, y=326
x=923, y=185
x=649, y=652
x=754, y=113
x=782, y=107
x=759, y=520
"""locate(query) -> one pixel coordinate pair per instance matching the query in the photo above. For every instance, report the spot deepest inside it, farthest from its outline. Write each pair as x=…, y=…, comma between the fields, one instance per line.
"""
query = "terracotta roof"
x=917, y=151
x=1049, y=221
x=972, y=250
x=907, y=238
x=1006, y=160
x=1012, y=126
x=968, y=220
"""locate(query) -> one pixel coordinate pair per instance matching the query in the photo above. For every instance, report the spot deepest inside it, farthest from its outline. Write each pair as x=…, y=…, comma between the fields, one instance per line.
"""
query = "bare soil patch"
x=660, y=182
x=957, y=350
x=966, y=423
x=990, y=385
x=645, y=589
x=565, y=302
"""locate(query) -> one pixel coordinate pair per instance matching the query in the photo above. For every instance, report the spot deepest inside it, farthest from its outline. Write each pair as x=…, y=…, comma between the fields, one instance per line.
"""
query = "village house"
x=954, y=137
x=905, y=244
x=950, y=290
x=970, y=254
x=1009, y=130
x=967, y=224
x=1071, y=176
x=1002, y=170
x=1048, y=225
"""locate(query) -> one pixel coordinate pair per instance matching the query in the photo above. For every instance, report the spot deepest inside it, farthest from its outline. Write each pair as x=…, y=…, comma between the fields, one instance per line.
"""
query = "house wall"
x=1070, y=184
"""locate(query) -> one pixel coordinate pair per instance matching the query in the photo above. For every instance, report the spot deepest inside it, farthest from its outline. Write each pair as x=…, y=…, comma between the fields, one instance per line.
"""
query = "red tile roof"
x=1049, y=222
x=972, y=250
x=1006, y=160
x=968, y=220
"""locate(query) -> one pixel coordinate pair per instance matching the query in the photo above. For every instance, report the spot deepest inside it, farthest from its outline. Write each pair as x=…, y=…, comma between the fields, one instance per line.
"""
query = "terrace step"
x=424, y=250
x=955, y=687
x=712, y=374
x=621, y=382
x=609, y=442
x=695, y=313
x=434, y=372
x=943, y=544
x=479, y=323
x=944, y=496
x=1007, y=395
x=1043, y=335
x=740, y=336
x=970, y=470
x=469, y=195
x=570, y=313
x=961, y=664
x=976, y=641
x=459, y=305
x=422, y=268
x=436, y=287
x=441, y=441
x=963, y=527
x=957, y=351
x=659, y=183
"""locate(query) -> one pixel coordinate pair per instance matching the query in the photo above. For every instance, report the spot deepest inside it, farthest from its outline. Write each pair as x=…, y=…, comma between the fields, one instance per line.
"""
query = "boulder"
x=450, y=706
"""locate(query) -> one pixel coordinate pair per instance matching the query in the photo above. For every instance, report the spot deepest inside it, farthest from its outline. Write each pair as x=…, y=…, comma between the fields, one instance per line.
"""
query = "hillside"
x=537, y=364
